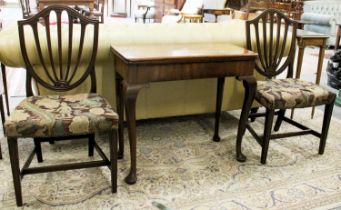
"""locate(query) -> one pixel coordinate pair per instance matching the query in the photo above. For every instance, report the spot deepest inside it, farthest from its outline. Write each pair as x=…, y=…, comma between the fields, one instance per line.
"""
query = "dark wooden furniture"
x=26, y=9
x=236, y=4
x=138, y=65
x=338, y=35
x=307, y=38
x=294, y=8
x=282, y=94
x=54, y=122
x=2, y=112
x=88, y=3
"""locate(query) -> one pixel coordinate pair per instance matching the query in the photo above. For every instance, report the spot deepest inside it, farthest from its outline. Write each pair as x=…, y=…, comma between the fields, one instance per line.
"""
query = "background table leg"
x=318, y=74
x=219, y=101
x=298, y=69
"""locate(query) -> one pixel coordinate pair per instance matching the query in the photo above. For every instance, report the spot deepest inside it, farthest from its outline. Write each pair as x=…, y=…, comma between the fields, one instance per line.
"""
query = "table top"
x=310, y=34
x=167, y=53
x=219, y=11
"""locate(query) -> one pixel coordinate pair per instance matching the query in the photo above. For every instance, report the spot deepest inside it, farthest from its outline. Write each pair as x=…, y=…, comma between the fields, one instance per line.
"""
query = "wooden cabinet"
x=293, y=8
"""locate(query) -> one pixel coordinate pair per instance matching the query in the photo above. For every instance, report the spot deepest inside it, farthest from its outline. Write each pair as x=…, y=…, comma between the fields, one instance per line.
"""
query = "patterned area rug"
x=179, y=167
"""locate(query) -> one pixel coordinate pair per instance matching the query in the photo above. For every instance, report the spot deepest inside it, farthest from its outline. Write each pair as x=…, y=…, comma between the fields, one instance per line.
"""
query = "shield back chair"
x=277, y=95
x=145, y=10
x=60, y=116
x=189, y=7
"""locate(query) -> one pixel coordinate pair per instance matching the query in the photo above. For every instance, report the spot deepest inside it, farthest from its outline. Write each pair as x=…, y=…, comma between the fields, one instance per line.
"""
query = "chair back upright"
x=26, y=8
x=274, y=36
x=60, y=49
x=99, y=6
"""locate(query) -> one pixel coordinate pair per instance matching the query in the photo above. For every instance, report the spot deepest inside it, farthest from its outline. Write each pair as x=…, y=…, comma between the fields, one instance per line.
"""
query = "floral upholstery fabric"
x=291, y=93
x=47, y=116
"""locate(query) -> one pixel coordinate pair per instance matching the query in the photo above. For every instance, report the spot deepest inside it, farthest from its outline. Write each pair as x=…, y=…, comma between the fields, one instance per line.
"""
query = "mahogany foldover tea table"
x=138, y=65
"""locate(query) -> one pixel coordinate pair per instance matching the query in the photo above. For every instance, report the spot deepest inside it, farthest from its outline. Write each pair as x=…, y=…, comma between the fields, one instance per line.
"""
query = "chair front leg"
x=14, y=158
x=267, y=133
x=113, y=159
x=279, y=120
x=328, y=111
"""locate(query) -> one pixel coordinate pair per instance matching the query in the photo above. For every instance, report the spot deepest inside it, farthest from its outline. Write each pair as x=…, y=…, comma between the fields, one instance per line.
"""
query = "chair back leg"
x=91, y=145
x=113, y=136
x=14, y=158
x=267, y=133
x=279, y=120
x=328, y=111
x=2, y=113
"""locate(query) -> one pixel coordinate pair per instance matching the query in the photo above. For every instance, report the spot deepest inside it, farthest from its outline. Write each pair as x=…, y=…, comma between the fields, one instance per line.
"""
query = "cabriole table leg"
x=130, y=96
x=250, y=85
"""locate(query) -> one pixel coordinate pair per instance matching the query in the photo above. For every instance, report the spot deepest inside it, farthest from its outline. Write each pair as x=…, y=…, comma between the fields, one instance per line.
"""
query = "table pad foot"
x=131, y=178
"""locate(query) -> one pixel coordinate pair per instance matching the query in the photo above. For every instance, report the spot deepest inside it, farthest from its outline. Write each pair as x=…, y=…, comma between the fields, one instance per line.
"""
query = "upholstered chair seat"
x=53, y=116
x=291, y=93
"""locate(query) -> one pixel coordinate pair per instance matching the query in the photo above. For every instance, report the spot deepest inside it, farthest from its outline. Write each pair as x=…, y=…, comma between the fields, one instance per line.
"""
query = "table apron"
x=142, y=73
x=311, y=41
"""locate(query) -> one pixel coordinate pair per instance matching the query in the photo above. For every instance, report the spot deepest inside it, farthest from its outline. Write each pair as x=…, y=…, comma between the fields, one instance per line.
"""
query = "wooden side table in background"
x=191, y=18
x=304, y=39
